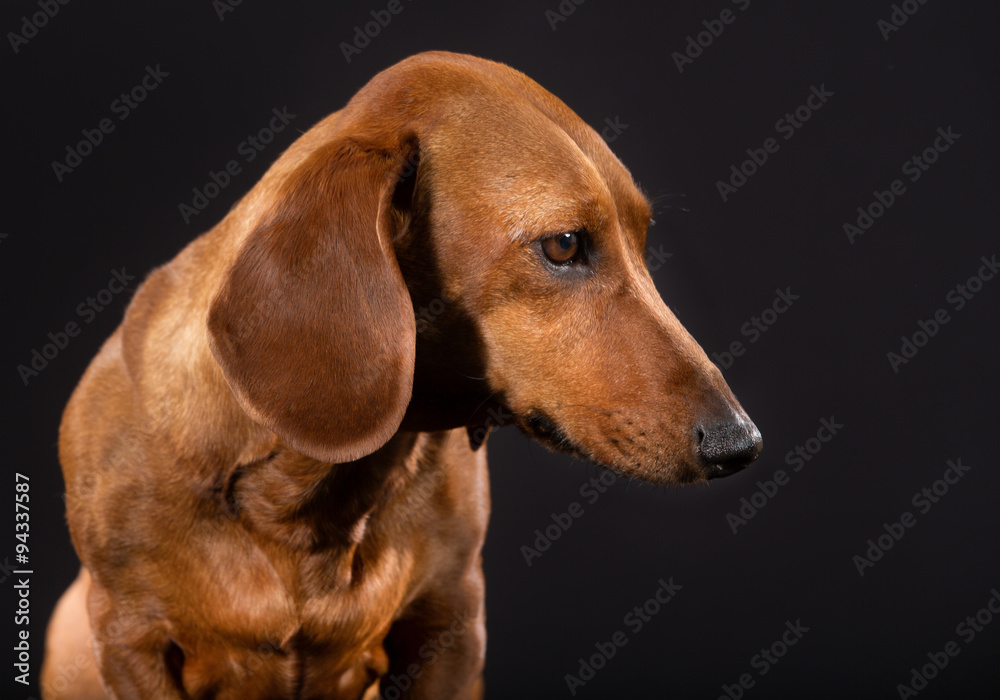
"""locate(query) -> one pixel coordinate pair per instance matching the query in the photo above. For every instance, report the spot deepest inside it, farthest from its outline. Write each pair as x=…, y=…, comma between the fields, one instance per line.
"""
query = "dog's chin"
x=538, y=425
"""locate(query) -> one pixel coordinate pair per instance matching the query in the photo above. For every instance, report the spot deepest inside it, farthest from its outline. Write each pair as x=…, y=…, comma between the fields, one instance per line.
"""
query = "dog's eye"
x=562, y=248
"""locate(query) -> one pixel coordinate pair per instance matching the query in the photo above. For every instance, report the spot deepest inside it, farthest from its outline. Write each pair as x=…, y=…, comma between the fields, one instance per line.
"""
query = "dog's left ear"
x=313, y=325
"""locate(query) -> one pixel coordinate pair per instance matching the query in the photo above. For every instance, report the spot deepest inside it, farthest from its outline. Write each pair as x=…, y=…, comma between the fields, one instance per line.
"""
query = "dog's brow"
x=553, y=217
x=640, y=213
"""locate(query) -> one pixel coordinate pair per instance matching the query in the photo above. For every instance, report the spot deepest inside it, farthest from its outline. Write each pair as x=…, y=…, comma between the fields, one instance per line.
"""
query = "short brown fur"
x=273, y=470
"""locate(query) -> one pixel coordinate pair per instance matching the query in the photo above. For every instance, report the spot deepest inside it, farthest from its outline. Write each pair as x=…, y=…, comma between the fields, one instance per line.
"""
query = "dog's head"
x=457, y=235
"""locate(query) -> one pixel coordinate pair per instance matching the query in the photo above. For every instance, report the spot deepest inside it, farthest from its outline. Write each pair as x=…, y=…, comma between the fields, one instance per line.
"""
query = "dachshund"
x=275, y=472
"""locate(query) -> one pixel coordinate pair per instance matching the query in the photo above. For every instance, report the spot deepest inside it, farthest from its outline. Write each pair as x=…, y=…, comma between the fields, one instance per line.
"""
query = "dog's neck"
x=301, y=503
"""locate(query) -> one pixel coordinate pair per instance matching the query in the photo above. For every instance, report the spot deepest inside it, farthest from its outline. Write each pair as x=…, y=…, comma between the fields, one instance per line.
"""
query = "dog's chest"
x=266, y=601
x=309, y=609
x=287, y=639
x=285, y=624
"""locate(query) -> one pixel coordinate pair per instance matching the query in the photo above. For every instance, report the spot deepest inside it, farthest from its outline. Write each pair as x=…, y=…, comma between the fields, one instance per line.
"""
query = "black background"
x=826, y=356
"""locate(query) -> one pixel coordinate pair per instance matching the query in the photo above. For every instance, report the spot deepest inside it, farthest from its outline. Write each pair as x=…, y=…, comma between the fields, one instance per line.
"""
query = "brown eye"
x=561, y=248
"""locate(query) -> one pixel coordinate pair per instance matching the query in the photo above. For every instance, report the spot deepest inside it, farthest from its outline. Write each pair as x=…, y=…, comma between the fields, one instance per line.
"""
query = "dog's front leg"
x=437, y=653
x=134, y=657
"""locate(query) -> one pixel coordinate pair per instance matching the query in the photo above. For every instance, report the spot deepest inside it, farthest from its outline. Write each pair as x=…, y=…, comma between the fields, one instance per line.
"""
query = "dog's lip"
x=539, y=425
x=717, y=471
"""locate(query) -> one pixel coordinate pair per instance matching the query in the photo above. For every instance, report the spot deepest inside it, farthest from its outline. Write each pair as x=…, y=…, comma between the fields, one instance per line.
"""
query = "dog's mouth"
x=540, y=426
x=645, y=454
x=642, y=463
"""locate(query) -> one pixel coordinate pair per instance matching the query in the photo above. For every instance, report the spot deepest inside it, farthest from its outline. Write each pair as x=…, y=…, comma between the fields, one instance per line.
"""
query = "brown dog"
x=274, y=474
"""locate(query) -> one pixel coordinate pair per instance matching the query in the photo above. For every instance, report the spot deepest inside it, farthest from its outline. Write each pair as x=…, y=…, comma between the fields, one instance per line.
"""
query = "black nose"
x=727, y=448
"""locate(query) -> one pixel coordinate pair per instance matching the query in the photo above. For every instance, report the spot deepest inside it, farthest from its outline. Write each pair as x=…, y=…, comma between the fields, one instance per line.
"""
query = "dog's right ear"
x=313, y=326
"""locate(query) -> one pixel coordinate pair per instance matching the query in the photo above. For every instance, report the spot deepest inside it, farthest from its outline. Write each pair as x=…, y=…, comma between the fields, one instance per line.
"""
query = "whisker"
x=476, y=409
x=659, y=198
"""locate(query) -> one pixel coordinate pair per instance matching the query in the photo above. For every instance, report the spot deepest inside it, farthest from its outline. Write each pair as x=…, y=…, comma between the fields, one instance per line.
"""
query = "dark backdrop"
x=717, y=262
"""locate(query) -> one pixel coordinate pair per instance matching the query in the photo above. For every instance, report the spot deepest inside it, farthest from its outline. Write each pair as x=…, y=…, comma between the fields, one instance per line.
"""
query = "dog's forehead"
x=540, y=170
x=494, y=138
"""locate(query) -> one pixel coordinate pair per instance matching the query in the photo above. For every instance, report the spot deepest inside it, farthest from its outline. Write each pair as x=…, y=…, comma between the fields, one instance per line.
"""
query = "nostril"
x=728, y=447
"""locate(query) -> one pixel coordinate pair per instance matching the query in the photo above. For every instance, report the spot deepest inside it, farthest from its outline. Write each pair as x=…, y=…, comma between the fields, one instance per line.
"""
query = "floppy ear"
x=313, y=325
